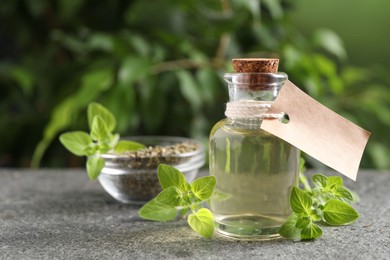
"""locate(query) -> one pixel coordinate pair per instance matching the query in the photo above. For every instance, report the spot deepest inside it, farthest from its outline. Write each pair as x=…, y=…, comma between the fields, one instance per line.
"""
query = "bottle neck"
x=237, y=93
x=251, y=95
x=254, y=86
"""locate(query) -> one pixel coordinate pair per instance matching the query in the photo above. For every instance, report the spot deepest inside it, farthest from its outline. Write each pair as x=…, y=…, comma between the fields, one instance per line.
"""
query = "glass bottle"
x=255, y=170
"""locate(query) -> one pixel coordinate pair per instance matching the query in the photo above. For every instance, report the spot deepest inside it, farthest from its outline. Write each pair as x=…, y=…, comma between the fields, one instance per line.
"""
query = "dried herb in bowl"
x=152, y=156
x=132, y=176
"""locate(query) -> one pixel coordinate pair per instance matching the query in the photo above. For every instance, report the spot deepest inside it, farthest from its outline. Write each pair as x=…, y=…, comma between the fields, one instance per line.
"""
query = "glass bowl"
x=132, y=177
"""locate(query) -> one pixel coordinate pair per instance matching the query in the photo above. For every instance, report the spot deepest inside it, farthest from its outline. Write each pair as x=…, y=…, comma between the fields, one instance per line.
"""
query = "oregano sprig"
x=180, y=196
x=327, y=202
x=100, y=140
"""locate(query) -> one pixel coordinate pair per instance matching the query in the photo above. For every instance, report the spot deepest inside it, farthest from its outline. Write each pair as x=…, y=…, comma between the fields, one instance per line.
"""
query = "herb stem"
x=304, y=181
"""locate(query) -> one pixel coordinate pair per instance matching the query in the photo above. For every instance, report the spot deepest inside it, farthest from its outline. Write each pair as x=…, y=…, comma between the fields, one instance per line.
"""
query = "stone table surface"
x=61, y=214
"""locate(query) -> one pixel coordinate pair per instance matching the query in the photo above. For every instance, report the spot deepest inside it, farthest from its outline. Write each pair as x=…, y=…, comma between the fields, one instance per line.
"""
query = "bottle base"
x=248, y=228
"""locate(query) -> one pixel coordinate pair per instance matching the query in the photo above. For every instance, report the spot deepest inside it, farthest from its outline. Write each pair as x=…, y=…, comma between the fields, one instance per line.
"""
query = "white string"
x=251, y=109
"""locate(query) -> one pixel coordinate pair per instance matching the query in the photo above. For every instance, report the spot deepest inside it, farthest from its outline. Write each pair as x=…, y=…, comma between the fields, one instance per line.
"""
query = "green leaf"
x=99, y=130
x=104, y=147
x=343, y=194
x=154, y=210
x=203, y=187
x=95, y=165
x=289, y=230
x=202, y=222
x=337, y=212
x=187, y=198
x=170, y=176
x=101, y=41
x=91, y=149
x=76, y=142
x=95, y=109
x=114, y=139
x=319, y=180
x=312, y=231
x=331, y=42
x=124, y=146
x=209, y=83
x=133, y=68
x=302, y=223
x=189, y=89
x=274, y=7
x=334, y=182
x=300, y=201
x=251, y=6
x=170, y=196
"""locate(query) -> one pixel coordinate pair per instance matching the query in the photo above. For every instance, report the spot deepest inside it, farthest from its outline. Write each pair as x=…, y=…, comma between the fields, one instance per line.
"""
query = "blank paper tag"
x=318, y=131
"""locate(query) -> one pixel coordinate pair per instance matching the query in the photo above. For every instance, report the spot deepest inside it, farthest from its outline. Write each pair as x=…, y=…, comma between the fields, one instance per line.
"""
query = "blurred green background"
x=158, y=66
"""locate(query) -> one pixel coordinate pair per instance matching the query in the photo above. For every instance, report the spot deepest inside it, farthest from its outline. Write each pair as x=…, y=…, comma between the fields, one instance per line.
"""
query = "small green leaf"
x=337, y=212
x=170, y=196
x=76, y=142
x=95, y=165
x=91, y=149
x=202, y=222
x=319, y=180
x=187, y=198
x=300, y=201
x=289, y=230
x=154, y=210
x=104, y=147
x=95, y=109
x=302, y=223
x=312, y=231
x=99, y=130
x=334, y=182
x=203, y=187
x=124, y=146
x=343, y=194
x=114, y=138
x=170, y=176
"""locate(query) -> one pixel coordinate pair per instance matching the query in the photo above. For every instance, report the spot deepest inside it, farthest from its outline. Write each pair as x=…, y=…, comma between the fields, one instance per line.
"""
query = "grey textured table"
x=60, y=214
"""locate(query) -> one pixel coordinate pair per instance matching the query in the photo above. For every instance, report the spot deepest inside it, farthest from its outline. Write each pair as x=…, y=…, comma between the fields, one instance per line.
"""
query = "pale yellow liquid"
x=255, y=173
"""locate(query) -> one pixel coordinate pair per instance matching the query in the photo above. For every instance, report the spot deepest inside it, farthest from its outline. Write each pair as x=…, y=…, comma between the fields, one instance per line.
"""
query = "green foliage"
x=94, y=166
x=202, y=222
x=59, y=56
x=300, y=201
x=326, y=202
x=77, y=142
x=123, y=146
x=157, y=211
x=203, y=187
x=100, y=140
x=179, y=195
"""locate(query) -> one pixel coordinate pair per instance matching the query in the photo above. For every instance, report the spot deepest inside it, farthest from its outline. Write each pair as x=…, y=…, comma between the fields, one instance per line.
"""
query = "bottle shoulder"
x=220, y=124
x=245, y=127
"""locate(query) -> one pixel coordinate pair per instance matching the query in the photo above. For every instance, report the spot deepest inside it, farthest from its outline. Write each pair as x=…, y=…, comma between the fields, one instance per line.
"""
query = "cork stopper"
x=252, y=65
